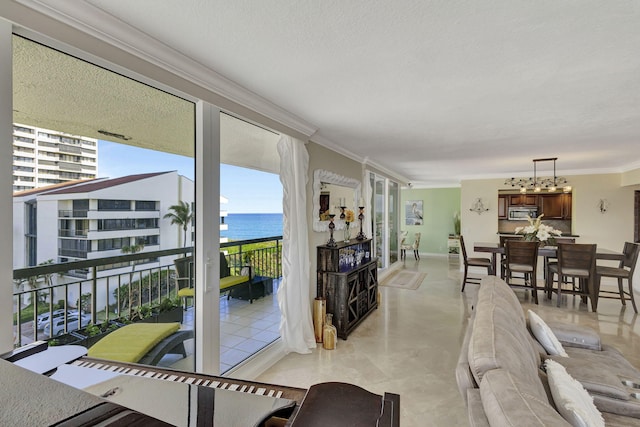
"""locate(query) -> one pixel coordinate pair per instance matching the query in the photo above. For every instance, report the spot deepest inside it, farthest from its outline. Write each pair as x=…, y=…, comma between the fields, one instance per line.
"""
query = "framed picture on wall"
x=413, y=212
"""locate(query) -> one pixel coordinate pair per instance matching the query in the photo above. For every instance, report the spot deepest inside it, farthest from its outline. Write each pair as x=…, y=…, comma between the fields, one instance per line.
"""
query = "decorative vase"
x=347, y=232
x=329, y=334
x=319, y=313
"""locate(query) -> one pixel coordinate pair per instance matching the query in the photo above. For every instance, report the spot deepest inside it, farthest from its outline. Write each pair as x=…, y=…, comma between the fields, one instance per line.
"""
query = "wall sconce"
x=603, y=205
x=478, y=206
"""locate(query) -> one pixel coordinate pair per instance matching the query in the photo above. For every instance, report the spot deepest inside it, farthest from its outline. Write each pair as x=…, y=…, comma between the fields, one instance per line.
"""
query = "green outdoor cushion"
x=130, y=343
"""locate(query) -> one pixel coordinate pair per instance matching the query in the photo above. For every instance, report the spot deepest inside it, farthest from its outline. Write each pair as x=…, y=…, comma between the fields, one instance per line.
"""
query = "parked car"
x=73, y=323
x=43, y=319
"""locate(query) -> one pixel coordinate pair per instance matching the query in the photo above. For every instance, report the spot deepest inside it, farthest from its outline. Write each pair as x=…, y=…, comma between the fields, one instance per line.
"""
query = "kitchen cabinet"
x=503, y=203
x=523, y=200
x=348, y=280
x=555, y=206
x=566, y=206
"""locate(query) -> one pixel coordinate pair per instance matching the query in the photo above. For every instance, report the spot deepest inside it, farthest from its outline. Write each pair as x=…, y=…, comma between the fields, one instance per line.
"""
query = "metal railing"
x=107, y=296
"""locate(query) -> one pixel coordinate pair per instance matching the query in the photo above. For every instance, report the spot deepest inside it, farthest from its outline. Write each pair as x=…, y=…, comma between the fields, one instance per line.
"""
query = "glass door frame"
x=384, y=254
x=207, y=193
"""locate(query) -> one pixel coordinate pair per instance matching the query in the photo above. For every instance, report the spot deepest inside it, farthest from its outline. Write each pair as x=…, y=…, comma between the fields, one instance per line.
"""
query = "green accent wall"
x=439, y=206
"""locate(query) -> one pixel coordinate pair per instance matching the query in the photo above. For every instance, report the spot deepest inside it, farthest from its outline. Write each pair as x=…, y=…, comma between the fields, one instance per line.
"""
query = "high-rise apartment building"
x=43, y=157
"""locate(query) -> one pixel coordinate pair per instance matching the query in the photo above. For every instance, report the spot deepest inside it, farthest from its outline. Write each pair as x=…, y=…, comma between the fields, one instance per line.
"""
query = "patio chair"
x=185, y=278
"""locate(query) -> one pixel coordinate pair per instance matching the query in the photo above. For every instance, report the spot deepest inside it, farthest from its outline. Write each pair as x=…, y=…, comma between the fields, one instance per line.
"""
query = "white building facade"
x=43, y=157
x=96, y=219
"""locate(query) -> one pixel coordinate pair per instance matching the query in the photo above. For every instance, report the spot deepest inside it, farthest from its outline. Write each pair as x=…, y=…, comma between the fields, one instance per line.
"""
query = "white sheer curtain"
x=296, y=325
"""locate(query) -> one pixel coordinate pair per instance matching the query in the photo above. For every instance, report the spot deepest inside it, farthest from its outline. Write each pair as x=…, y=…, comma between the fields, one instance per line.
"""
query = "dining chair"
x=403, y=244
x=503, y=257
x=416, y=245
x=575, y=261
x=623, y=271
x=473, y=262
x=550, y=260
x=522, y=257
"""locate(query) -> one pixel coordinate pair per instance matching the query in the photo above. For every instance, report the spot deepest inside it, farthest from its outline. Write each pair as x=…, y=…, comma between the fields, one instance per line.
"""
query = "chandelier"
x=538, y=183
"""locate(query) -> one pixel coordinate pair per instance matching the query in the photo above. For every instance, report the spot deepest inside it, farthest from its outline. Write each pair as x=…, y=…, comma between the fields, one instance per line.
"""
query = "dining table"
x=494, y=248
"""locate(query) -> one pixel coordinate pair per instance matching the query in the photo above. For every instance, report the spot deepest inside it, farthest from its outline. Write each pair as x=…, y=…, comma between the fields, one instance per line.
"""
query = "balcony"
x=76, y=213
x=117, y=287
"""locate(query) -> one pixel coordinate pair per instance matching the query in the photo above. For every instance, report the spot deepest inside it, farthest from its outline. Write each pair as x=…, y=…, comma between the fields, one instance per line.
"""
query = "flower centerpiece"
x=349, y=217
x=537, y=231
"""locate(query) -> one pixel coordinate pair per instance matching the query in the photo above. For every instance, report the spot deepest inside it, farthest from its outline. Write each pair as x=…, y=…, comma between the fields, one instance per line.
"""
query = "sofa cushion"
x=545, y=335
x=571, y=335
x=464, y=377
x=477, y=417
x=497, y=341
x=595, y=378
x=494, y=290
x=507, y=401
x=611, y=360
x=571, y=399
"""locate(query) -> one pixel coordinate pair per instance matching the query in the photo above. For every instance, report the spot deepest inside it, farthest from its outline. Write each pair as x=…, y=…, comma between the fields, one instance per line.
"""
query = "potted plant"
x=247, y=269
x=95, y=332
x=169, y=310
x=143, y=313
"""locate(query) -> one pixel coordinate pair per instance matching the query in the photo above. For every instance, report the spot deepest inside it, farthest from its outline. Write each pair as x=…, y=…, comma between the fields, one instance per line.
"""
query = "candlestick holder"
x=361, y=235
x=331, y=243
x=342, y=209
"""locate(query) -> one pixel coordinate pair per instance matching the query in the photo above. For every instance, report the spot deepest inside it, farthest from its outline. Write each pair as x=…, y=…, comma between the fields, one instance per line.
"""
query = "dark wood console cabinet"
x=350, y=287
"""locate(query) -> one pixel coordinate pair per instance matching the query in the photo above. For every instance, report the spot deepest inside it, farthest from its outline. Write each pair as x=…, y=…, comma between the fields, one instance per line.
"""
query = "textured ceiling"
x=437, y=91
x=57, y=91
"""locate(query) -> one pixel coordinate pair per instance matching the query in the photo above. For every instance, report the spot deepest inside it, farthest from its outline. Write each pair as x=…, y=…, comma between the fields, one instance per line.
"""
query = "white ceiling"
x=437, y=91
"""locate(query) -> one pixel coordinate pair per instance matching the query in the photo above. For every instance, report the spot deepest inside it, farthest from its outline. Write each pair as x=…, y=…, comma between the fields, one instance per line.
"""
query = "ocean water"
x=252, y=226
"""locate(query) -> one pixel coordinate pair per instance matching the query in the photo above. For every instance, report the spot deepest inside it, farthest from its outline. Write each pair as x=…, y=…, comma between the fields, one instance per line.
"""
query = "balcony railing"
x=77, y=213
x=107, y=296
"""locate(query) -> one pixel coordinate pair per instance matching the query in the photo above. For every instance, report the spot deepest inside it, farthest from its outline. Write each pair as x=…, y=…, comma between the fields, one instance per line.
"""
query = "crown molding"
x=365, y=161
x=91, y=20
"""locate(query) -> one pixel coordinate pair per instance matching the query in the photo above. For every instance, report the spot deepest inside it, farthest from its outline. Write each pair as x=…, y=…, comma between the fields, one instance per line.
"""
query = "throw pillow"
x=545, y=335
x=571, y=399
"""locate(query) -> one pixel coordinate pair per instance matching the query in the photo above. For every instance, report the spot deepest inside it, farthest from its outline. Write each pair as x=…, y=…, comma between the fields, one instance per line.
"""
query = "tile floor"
x=244, y=330
x=410, y=345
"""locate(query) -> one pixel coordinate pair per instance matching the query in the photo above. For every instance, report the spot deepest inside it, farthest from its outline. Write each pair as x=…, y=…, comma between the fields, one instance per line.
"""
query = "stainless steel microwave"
x=520, y=213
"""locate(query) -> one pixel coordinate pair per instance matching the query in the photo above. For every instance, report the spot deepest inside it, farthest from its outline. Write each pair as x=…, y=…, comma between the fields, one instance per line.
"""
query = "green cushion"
x=186, y=292
x=227, y=282
x=130, y=343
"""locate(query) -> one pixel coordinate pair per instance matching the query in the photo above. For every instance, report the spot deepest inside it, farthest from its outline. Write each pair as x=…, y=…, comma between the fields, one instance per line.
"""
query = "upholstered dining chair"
x=416, y=245
x=623, y=271
x=503, y=257
x=575, y=261
x=403, y=244
x=522, y=257
x=473, y=262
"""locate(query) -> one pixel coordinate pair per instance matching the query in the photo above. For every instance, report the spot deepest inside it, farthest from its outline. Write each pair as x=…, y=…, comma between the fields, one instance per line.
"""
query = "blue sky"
x=248, y=191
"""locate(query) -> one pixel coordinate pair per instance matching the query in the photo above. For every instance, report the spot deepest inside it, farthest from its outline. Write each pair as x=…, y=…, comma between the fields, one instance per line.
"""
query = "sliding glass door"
x=384, y=204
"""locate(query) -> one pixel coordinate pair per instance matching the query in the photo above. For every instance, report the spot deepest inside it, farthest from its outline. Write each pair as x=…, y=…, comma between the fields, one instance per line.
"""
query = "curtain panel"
x=296, y=324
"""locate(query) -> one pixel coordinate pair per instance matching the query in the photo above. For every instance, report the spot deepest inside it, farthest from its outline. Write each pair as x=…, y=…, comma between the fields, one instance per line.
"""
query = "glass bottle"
x=329, y=333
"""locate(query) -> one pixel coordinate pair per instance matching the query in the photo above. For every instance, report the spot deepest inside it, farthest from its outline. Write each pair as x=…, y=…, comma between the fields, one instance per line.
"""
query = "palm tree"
x=181, y=216
x=132, y=249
